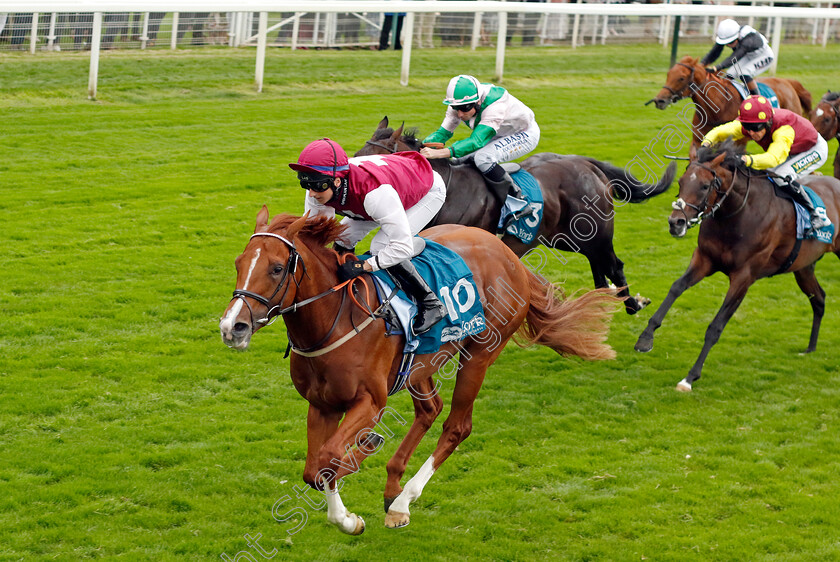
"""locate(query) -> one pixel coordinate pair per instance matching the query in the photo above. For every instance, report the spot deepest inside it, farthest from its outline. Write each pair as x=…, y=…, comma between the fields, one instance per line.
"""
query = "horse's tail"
x=625, y=187
x=570, y=326
x=805, y=99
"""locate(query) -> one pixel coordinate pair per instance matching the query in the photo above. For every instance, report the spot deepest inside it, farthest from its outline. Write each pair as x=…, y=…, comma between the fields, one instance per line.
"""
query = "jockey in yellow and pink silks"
x=503, y=129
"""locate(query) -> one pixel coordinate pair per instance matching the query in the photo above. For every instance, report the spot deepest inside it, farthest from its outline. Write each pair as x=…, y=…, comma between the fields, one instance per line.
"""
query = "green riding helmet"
x=462, y=89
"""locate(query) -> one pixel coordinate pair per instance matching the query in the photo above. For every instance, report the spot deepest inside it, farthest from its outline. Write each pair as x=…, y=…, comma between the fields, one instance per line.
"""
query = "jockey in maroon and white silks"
x=399, y=193
x=385, y=191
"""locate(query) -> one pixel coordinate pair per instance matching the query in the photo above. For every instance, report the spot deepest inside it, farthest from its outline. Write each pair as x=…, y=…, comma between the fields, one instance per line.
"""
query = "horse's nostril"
x=240, y=328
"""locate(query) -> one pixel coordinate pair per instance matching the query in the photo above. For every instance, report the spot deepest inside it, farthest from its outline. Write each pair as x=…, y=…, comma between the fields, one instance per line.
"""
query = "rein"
x=274, y=311
x=678, y=95
x=380, y=145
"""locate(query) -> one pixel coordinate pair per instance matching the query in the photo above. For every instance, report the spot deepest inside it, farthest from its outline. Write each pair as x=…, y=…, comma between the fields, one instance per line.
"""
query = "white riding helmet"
x=727, y=32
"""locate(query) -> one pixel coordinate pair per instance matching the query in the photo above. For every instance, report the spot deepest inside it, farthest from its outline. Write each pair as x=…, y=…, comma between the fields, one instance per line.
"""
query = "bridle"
x=382, y=146
x=677, y=95
x=704, y=209
x=272, y=312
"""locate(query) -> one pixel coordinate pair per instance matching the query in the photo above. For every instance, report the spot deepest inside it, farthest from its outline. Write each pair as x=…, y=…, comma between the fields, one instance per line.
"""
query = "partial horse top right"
x=826, y=119
x=716, y=99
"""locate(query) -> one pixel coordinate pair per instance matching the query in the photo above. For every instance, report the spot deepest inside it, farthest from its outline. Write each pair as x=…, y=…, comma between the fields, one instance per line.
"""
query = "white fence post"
x=33, y=34
x=500, y=47
x=173, y=41
x=476, y=31
x=408, y=39
x=261, y=40
x=144, y=38
x=777, y=40
x=95, y=40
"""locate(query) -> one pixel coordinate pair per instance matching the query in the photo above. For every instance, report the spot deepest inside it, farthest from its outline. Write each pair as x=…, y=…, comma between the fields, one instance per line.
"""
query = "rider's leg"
x=429, y=308
x=806, y=162
x=751, y=85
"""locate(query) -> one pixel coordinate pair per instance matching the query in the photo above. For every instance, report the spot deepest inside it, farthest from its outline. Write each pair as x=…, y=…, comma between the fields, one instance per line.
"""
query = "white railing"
x=410, y=8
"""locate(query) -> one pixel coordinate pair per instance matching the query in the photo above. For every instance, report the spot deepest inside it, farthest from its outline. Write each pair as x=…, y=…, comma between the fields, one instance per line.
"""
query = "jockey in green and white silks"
x=503, y=129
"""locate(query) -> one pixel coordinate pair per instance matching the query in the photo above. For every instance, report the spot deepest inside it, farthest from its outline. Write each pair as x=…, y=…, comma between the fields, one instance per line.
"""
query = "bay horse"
x=716, y=100
x=578, y=209
x=343, y=364
x=747, y=233
x=826, y=119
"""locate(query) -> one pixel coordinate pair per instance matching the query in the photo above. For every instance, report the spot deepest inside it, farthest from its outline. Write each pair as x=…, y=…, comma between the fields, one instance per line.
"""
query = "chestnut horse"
x=343, y=364
x=716, y=100
x=577, y=203
x=747, y=233
x=826, y=119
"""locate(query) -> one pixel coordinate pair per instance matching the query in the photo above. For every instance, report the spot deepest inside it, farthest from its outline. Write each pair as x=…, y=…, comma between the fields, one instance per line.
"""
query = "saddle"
x=763, y=89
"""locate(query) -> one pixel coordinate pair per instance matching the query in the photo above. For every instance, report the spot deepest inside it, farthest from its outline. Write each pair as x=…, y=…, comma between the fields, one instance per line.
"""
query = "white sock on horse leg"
x=414, y=487
x=337, y=514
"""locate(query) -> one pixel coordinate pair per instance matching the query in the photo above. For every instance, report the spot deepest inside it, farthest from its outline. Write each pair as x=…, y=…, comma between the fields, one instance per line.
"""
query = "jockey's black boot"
x=429, y=308
x=752, y=87
x=795, y=189
x=500, y=184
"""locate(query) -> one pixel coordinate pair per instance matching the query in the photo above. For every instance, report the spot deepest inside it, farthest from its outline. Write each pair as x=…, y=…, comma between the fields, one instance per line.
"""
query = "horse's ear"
x=718, y=159
x=295, y=227
x=262, y=219
x=395, y=136
x=382, y=124
x=692, y=153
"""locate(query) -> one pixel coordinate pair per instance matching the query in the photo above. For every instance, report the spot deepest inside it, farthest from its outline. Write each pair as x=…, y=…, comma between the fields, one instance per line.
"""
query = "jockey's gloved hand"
x=350, y=269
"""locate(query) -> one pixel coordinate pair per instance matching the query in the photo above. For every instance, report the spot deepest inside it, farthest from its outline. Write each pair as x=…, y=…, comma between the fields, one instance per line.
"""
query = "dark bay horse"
x=578, y=203
x=343, y=364
x=826, y=119
x=747, y=233
x=716, y=100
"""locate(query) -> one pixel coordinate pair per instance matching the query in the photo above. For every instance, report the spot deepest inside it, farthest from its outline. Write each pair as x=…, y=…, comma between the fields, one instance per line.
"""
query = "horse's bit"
x=715, y=186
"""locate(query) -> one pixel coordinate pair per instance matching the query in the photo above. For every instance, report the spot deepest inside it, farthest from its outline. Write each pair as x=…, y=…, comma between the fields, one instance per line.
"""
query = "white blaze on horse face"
x=819, y=112
x=226, y=324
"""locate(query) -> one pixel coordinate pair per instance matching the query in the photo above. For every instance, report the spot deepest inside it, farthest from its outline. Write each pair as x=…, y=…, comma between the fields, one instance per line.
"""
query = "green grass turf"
x=128, y=431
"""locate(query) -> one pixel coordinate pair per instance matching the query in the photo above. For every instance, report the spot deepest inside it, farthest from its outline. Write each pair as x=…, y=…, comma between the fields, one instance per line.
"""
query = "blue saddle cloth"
x=449, y=277
x=803, y=220
x=763, y=89
x=524, y=228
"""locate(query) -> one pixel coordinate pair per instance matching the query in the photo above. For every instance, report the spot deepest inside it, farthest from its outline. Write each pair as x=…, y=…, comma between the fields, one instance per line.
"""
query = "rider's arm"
x=480, y=136
x=723, y=132
x=712, y=55
x=748, y=44
x=777, y=152
x=311, y=206
x=444, y=133
x=441, y=135
x=384, y=206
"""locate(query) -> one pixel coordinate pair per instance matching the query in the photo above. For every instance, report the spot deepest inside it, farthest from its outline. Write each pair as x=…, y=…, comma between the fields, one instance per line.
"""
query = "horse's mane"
x=831, y=96
x=409, y=137
x=733, y=151
x=320, y=230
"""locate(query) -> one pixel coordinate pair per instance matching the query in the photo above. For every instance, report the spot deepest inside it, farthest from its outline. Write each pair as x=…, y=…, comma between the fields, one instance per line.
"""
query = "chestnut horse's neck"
x=717, y=97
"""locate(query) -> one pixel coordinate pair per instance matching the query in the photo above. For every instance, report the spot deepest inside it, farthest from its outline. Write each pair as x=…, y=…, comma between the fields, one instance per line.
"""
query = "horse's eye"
x=277, y=269
x=705, y=186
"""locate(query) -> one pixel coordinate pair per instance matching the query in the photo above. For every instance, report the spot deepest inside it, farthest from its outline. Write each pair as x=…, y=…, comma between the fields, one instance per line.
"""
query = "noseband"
x=273, y=311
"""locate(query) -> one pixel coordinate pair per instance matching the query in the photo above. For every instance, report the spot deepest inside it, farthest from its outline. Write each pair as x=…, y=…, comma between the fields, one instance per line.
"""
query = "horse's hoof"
x=395, y=519
x=388, y=502
x=641, y=301
x=684, y=386
x=644, y=345
x=360, y=526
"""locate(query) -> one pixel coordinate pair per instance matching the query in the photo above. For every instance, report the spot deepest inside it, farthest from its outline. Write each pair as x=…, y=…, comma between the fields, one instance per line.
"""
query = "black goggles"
x=464, y=108
x=754, y=127
x=315, y=182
